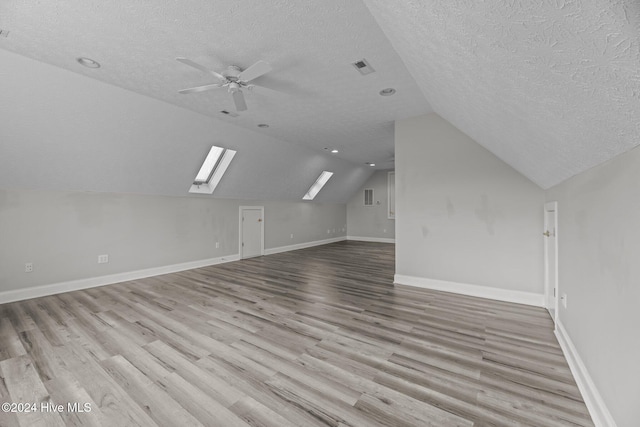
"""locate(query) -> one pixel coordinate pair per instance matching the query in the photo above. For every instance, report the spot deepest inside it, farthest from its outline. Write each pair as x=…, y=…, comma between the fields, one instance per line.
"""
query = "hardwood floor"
x=318, y=336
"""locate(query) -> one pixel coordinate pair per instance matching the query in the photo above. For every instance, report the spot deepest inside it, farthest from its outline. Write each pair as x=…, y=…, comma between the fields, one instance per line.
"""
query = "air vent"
x=4, y=33
x=229, y=113
x=368, y=196
x=363, y=67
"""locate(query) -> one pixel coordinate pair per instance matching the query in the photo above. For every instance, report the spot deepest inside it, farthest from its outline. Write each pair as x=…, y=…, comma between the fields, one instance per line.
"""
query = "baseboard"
x=518, y=297
x=371, y=239
x=92, y=282
x=595, y=404
x=304, y=245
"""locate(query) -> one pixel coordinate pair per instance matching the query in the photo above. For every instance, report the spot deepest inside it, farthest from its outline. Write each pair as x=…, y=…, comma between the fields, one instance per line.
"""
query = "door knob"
x=547, y=233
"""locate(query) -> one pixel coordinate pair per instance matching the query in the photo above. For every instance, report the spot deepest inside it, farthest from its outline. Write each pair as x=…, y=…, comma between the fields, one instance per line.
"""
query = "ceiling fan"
x=233, y=78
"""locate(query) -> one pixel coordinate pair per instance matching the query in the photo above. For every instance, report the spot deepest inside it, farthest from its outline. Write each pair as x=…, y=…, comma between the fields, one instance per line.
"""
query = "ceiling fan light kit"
x=233, y=78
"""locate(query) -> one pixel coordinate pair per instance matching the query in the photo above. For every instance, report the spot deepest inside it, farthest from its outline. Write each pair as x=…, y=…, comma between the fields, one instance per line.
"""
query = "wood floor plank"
x=147, y=394
x=258, y=415
x=211, y=385
x=7, y=418
x=25, y=387
x=313, y=337
x=11, y=343
x=326, y=408
x=259, y=391
x=65, y=390
x=117, y=406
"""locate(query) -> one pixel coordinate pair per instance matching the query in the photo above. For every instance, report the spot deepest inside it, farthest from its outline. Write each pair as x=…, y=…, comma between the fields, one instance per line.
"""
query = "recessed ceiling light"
x=263, y=125
x=88, y=62
x=334, y=151
x=388, y=91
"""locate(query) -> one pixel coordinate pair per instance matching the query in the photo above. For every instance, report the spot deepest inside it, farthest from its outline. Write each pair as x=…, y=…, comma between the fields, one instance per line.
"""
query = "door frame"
x=242, y=208
x=551, y=207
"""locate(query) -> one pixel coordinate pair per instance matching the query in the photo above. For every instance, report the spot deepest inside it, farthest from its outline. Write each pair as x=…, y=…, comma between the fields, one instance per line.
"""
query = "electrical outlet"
x=384, y=230
x=217, y=245
x=103, y=259
x=28, y=267
x=563, y=298
x=292, y=235
x=328, y=231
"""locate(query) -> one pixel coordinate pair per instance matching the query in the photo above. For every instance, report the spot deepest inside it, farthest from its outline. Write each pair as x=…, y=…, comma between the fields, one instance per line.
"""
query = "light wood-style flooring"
x=313, y=337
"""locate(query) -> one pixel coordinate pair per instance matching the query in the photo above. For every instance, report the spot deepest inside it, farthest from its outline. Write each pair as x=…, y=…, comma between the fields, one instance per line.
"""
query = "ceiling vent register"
x=363, y=67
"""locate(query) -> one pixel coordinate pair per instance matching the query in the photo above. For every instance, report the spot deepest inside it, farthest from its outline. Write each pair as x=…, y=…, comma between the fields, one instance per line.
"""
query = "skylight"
x=214, y=166
x=317, y=186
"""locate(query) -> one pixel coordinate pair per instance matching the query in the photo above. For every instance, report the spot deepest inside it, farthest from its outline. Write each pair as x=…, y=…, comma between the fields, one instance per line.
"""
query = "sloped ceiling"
x=550, y=86
x=64, y=131
x=323, y=100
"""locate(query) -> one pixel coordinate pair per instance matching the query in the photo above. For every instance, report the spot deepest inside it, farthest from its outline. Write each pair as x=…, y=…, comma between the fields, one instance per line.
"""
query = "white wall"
x=599, y=249
x=371, y=222
x=62, y=233
x=463, y=215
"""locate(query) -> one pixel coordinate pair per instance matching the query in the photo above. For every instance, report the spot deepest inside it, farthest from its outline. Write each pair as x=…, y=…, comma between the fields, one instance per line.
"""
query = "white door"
x=551, y=257
x=251, y=231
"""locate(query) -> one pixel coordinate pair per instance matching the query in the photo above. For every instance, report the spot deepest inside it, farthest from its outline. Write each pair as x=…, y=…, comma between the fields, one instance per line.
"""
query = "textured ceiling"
x=310, y=45
x=63, y=131
x=550, y=86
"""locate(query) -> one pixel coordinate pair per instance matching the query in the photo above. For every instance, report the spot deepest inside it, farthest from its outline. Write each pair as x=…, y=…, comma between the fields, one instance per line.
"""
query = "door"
x=551, y=257
x=251, y=231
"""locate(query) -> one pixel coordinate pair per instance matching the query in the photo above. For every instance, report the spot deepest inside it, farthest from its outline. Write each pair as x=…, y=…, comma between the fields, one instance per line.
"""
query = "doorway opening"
x=551, y=258
x=251, y=231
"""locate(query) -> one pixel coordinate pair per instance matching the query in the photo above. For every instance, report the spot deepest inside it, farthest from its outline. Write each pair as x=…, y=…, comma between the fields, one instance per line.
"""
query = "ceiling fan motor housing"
x=233, y=71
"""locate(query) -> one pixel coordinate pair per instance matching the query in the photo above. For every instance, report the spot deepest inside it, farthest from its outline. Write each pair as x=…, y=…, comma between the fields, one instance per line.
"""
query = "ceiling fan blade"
x=254, y=71
x=200, y=88
x=265, y=90
x=238, y=99
x=200, y=67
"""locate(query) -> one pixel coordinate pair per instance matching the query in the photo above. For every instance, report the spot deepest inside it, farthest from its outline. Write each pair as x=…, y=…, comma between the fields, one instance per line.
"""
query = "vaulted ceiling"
x=551, y=87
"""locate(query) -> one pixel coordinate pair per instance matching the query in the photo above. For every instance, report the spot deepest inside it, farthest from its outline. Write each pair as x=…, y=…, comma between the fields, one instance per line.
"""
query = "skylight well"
x=212, y=170
x=317, y=186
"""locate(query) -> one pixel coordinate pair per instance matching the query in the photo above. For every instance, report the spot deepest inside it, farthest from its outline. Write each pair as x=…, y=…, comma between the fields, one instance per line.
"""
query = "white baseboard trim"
x=371, y=239
x=304, y=245
x=518, y=297
x=595, y=404
x=92, y=282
